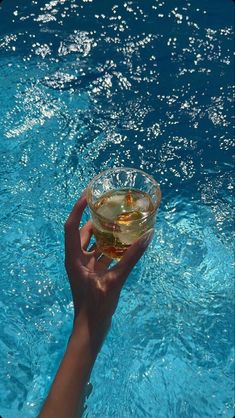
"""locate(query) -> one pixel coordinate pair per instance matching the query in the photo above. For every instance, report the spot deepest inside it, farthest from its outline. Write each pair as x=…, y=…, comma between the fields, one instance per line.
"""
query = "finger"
x=72, y=236
x=132, y=256
x=85, y=234
x=74, y=217
x=94, y=252
x=104, y=261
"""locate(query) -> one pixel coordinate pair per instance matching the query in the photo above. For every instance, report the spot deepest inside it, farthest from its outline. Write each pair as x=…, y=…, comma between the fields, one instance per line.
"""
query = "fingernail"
x=146, y=238
x=83, y=193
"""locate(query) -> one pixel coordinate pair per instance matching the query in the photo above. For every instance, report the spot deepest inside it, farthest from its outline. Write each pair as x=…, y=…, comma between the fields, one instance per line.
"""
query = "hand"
x=95, y=288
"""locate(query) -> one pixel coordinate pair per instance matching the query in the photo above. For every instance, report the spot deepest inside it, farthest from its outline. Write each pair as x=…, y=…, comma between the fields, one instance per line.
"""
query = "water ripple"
x=90, y=85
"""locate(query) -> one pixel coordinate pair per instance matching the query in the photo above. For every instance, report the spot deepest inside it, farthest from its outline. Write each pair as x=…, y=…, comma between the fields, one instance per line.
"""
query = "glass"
x=123, y=203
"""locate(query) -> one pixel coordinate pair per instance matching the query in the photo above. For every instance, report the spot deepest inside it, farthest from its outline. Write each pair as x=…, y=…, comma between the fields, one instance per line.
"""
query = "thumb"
x=132, y=255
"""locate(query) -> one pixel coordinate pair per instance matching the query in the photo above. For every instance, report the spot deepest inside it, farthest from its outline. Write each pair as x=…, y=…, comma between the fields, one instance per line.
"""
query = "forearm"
x=65, y=399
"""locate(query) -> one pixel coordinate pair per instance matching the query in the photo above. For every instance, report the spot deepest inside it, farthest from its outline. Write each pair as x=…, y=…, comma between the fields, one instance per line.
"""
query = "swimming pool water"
x=89, y=85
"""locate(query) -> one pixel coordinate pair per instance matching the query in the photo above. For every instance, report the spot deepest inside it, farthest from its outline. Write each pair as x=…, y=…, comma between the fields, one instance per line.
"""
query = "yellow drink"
x=119, y=218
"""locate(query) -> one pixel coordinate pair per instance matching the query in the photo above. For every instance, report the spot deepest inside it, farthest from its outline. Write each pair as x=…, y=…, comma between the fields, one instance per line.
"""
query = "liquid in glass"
x=119, y=218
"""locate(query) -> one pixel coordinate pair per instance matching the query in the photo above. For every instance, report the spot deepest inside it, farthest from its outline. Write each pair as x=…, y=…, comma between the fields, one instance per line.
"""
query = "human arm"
x=95, y=290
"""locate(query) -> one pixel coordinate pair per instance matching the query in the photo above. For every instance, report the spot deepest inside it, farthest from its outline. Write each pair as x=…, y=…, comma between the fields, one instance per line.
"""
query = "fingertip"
x=82, y=201
x=145, y=239
x=75, y=215
x=85, y=234
x=84, y=194
x=140, y=245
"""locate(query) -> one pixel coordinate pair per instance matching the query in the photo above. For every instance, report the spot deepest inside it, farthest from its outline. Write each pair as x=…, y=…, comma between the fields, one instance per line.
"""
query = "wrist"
x=89, y=332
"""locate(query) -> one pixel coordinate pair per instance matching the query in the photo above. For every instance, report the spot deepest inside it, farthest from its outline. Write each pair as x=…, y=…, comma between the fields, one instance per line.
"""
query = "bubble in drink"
x=123, y=216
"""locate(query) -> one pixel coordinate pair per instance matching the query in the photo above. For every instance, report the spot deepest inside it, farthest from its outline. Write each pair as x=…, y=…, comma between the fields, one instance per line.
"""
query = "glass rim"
x=113, y=170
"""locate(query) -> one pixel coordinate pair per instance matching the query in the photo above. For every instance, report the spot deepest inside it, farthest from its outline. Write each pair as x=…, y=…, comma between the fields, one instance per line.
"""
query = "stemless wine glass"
x=123, y=203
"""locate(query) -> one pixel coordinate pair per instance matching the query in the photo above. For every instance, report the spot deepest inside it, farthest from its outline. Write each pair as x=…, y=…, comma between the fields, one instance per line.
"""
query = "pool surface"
x=87, y=85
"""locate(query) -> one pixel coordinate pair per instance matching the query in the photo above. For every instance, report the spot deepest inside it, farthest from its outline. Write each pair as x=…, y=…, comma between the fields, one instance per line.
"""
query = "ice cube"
x=142, y=204
x=111, y=207
x=126, y=237
x=116, y=200
x=106, y=211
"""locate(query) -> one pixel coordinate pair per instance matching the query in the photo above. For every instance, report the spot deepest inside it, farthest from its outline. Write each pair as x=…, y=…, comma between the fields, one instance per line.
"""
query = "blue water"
x=94, y=84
